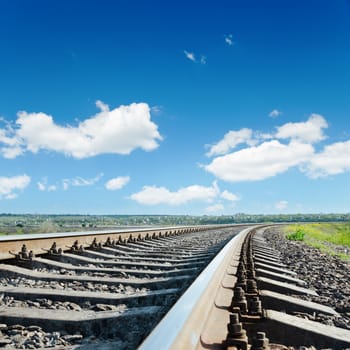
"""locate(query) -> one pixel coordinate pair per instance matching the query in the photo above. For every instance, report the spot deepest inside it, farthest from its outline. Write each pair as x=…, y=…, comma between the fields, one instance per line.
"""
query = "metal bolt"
x=235, y=328
x=239, y=300
x=237, y=336
x=241, y=281
x=251, y=286
x=260, y=342
x=255, y=306
x=31, y=255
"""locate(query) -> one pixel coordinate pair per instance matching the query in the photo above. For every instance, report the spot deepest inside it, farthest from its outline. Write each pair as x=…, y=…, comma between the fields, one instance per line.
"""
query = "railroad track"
x=84, y=288
x=247, y=299
x=220, y=288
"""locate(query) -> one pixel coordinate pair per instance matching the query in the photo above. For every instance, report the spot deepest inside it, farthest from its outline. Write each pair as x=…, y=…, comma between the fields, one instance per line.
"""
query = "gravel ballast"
x=201, y=246
x=327, y=275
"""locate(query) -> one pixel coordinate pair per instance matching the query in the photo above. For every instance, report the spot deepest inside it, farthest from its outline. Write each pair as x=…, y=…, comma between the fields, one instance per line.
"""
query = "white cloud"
x=229, y=39
x=11, y=152
x=230, y=196
x=76, y=181
x=117, y=131
x=281, y=205
x=11, y=196
x=215, y=208
x=102, y=106
x=12, y=144
x=230, y=141
x=333, y=160
x=156, y=110
x=117, y=183
x=309, y=131
x=43, y=186
x=270, y=154
x=65, y=185
x=190, y=56
x=153, y=195
x=260, y=162
x=80, y=181
x=275, y=113
x=10, y=184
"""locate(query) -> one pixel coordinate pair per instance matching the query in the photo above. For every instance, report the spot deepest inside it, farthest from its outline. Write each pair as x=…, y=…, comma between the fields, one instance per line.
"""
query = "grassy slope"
x=331, y=238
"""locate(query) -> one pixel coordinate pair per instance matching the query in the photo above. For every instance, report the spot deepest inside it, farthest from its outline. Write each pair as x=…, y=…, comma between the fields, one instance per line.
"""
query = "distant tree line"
x=46, y=223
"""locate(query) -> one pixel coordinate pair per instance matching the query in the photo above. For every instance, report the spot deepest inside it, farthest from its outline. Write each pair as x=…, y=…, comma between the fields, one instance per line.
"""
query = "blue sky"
x=174, y=107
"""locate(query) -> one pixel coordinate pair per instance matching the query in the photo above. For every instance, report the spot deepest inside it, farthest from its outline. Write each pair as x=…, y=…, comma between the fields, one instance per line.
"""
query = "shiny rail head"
x=177, y=327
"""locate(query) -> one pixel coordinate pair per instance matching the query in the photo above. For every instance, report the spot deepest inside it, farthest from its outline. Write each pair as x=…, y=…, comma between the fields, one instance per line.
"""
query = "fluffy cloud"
x=117, y=183
x=10, y=184
x=116, y=131
x=270, y=154
x=310, y=131
x=153, y=195
x=231, y=140
x=259, y=162
x=333, y=160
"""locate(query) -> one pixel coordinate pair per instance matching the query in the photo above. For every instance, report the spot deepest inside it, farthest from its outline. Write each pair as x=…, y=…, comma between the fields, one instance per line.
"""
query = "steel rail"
x=182, y=327
x=27, y=284
x=39, y=243
x=30, y=236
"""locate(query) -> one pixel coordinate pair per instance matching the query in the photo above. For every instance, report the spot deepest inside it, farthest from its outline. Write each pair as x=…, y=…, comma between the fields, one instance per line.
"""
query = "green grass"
x=327, y=237
x=297, y=235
